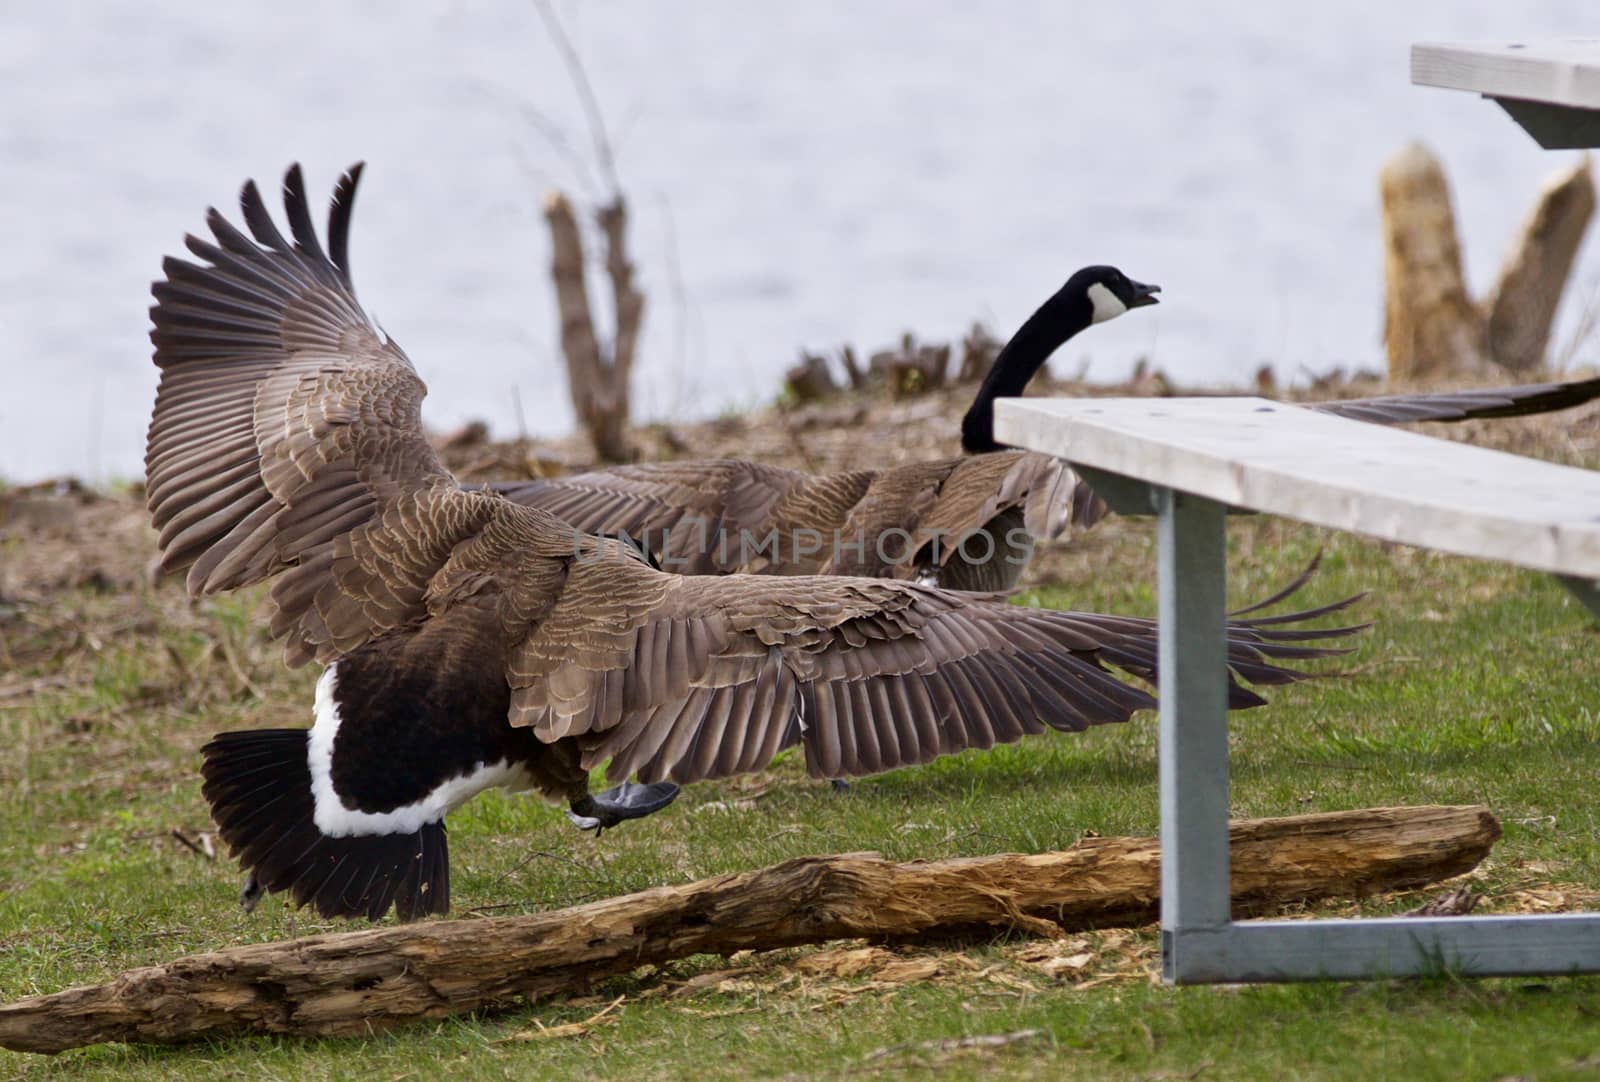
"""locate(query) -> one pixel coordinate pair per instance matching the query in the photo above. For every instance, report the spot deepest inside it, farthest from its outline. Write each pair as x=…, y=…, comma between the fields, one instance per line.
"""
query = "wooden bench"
x=1551, y=87
x=1188, y=460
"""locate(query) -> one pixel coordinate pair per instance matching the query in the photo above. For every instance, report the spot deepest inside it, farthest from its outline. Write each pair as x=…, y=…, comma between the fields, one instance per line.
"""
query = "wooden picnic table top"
x=1551, y=87
x=1559, y=71
x=1388, y=483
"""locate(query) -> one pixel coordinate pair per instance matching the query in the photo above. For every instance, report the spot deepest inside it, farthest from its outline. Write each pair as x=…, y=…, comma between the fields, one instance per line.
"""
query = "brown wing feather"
x=1490, y=402
x=818, y=503
x=665, y=507
x=287, y=432
x=715, y=516
x=722, y=516
x=877, y=538
x=716, y=674
x=979, y=533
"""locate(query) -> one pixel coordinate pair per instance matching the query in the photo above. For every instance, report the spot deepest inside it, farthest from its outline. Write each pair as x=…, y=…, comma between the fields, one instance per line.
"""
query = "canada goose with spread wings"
x=469, y=642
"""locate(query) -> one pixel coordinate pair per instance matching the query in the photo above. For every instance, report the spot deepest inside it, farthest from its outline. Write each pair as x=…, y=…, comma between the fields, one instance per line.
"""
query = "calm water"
x=802, y=175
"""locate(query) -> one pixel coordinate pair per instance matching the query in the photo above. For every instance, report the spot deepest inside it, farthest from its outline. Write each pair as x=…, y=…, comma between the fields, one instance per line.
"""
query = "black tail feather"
x=258, y=784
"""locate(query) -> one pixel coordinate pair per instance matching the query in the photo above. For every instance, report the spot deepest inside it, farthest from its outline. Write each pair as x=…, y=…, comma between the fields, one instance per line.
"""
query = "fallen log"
x=356, y=982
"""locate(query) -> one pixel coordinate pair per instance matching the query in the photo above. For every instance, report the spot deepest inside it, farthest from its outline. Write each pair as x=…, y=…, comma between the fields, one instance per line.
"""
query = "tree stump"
x=810, y=380
x=1522, y=305
x=1433, y=328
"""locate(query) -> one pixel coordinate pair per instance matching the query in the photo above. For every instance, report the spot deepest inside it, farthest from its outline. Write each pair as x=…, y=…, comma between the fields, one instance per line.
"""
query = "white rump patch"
x=1106, y=304
x=336, y=820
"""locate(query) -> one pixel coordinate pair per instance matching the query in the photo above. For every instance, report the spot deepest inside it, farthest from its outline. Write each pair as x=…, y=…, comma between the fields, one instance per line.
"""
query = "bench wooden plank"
x=1563, y=71
x=1383, y=482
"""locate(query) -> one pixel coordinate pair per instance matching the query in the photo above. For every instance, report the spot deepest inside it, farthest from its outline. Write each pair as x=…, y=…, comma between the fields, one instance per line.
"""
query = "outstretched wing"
x=675, y=511
x=703, y=677
x=1493, y=402
x=707, y=516
x=719, y=516
x=287, y=431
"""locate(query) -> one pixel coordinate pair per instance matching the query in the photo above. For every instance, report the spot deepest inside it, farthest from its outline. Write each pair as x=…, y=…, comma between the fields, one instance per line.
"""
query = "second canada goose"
x=470, y=642
x=964, y=523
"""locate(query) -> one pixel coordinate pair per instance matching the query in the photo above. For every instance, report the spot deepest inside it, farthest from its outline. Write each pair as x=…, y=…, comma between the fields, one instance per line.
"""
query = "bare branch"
x=558, y=141
x=586, y=96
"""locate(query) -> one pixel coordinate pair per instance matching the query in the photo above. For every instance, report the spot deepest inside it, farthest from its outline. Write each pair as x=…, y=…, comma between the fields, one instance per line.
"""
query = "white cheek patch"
x=336, y=820
x=1106, y=304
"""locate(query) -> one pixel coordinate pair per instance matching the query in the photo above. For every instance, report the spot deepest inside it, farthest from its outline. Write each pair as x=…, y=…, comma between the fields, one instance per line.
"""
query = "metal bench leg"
x=1198, y=942
x=1194, y=727
x=1586, y=591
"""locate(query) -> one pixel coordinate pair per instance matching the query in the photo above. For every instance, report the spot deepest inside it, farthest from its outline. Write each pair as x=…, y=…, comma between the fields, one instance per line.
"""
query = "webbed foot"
x=630, y=800
x=251, y=893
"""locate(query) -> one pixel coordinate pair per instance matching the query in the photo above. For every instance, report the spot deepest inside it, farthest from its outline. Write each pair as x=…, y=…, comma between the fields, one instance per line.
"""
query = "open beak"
x=1143, y=294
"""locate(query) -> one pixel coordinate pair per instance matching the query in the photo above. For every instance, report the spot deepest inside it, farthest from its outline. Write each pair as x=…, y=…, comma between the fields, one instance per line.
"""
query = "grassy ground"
x=1475, y=685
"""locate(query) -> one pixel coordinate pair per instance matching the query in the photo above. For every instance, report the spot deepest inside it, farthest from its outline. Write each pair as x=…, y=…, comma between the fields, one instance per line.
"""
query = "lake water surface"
x=802, y=175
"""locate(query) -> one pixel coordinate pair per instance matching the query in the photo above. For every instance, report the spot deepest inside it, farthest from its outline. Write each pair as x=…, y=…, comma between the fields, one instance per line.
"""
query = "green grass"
x=1475, y=685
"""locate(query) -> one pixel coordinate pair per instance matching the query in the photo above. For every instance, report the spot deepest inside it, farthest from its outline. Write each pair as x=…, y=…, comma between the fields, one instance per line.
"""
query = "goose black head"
x=1110, y=292
x=1092, y=295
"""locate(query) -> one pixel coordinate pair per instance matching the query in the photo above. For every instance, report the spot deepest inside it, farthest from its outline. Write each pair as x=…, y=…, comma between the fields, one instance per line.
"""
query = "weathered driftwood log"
x=1522, y=306
x=1431, y=327
x=599, y=380
x=353, y=982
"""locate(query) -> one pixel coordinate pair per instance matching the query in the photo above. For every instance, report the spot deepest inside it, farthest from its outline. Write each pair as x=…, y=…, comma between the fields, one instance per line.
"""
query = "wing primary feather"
x=344, y=201
x=257, y=217
x=864, y=726
x=299, y=213
x=1294, y=584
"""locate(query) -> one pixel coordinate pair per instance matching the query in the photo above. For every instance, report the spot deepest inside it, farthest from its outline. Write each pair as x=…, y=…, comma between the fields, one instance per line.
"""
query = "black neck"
x=1057, y=320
